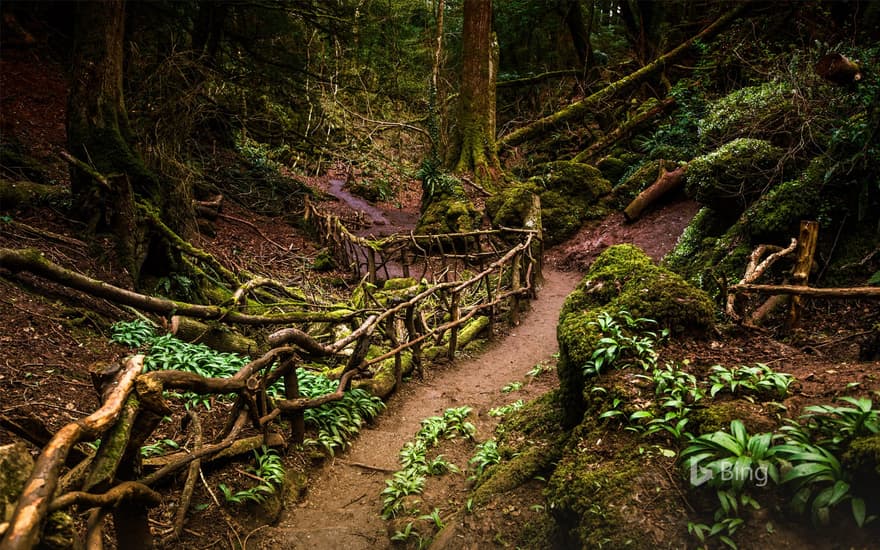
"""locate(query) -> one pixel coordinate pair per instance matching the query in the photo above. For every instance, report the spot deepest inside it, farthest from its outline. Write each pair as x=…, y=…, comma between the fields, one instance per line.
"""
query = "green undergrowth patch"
x=334, y=424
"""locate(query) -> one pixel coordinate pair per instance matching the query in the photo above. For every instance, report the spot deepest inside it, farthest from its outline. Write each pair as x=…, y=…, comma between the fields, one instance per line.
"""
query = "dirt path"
x=342, y=508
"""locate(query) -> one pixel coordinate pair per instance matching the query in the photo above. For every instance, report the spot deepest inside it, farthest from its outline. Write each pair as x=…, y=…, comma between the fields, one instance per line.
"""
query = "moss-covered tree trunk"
x=98, y=133
x=475, y=142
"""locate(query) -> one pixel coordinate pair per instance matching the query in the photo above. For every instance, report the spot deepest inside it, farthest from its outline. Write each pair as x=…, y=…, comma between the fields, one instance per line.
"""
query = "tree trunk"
x=476, y=115
x=581, y=108
x=98, y=133
x=580, y=33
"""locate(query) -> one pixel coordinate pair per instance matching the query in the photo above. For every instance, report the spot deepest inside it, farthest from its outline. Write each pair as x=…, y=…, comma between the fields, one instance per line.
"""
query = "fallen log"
x=863, y=292
x=838, y=68
x=622, y=130
x=32, y=261
x=218, y=338
x=586, y=105
x=666, y=182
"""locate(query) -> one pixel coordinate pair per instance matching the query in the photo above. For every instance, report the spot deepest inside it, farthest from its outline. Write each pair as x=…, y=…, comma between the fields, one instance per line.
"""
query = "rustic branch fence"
x=481, y=282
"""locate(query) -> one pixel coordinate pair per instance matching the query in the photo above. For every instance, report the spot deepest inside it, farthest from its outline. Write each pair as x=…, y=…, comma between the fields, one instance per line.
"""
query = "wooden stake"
x=807, y=239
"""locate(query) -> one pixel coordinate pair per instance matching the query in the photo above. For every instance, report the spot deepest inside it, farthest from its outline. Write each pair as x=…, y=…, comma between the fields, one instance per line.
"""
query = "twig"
x=365, y=467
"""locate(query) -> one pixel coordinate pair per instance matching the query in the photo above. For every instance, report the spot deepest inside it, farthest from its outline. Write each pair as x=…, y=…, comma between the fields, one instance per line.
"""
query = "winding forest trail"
x=343, y=505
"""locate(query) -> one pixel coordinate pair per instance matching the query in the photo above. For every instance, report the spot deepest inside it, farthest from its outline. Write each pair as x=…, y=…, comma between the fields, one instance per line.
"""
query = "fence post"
x=807, y=239
x=413, y=333
x=291, y=391
x=515, y=287
x=454, y=316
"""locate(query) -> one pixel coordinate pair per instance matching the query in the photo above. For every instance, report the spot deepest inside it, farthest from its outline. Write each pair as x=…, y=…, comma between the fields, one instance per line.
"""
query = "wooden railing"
x=466, y=282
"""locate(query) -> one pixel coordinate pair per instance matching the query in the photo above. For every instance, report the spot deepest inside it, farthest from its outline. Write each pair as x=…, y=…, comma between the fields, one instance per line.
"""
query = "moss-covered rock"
x=324, y=261
x=777, y=214
x=622, y=278
x=717, y=415
x=597, y=494
x=568, y=192
x=731, y=177
x=449, y=212
x=766, y=111
x=533, y=439
x=612, y=168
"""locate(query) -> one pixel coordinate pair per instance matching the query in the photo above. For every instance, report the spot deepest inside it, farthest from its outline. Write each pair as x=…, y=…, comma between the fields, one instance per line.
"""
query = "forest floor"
x=48, y=341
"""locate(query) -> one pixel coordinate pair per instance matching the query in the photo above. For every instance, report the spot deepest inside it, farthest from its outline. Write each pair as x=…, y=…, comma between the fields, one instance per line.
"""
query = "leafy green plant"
x=407, y=533
x=434, y=517
x=485, y=455
x=507, y=409
x=757, y=379
x=512, y=387
x=818, y=481
x=538, y=370
x=402, y=483
x=414, y=461
x=336, y=422
x=269, y=470
x=159, y=447
x=625, y=342
x=836, y=424
x=132, y=333
x=434, y=181
x=729, y=460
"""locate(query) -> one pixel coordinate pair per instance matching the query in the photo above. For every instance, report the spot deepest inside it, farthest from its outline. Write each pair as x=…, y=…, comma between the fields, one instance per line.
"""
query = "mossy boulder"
x=766, y=111
x=731, y=177
x=449, y=212
x=324, y=261
x=777, y=214
x=568, y=192
x=598, y=491
x=612, y=168
x=533, y=440
x=623, y=277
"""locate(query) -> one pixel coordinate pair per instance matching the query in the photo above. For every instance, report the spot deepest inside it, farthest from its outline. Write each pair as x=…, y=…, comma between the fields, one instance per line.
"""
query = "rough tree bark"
x=476, y=109
x=98, y=133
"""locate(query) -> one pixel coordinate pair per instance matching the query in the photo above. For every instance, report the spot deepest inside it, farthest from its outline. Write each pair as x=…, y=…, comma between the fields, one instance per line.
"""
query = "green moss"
x=777, y=214
x=717, y=415
x=612, y=168
x=399, y=283
x=705, y=259
x=323, y=261
x=732, y=176
x=449, y=213
x=568, y=191
x=18, y=194
x=590, y=494
x=755, y=111
x=622, y=278
x=862, y=460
